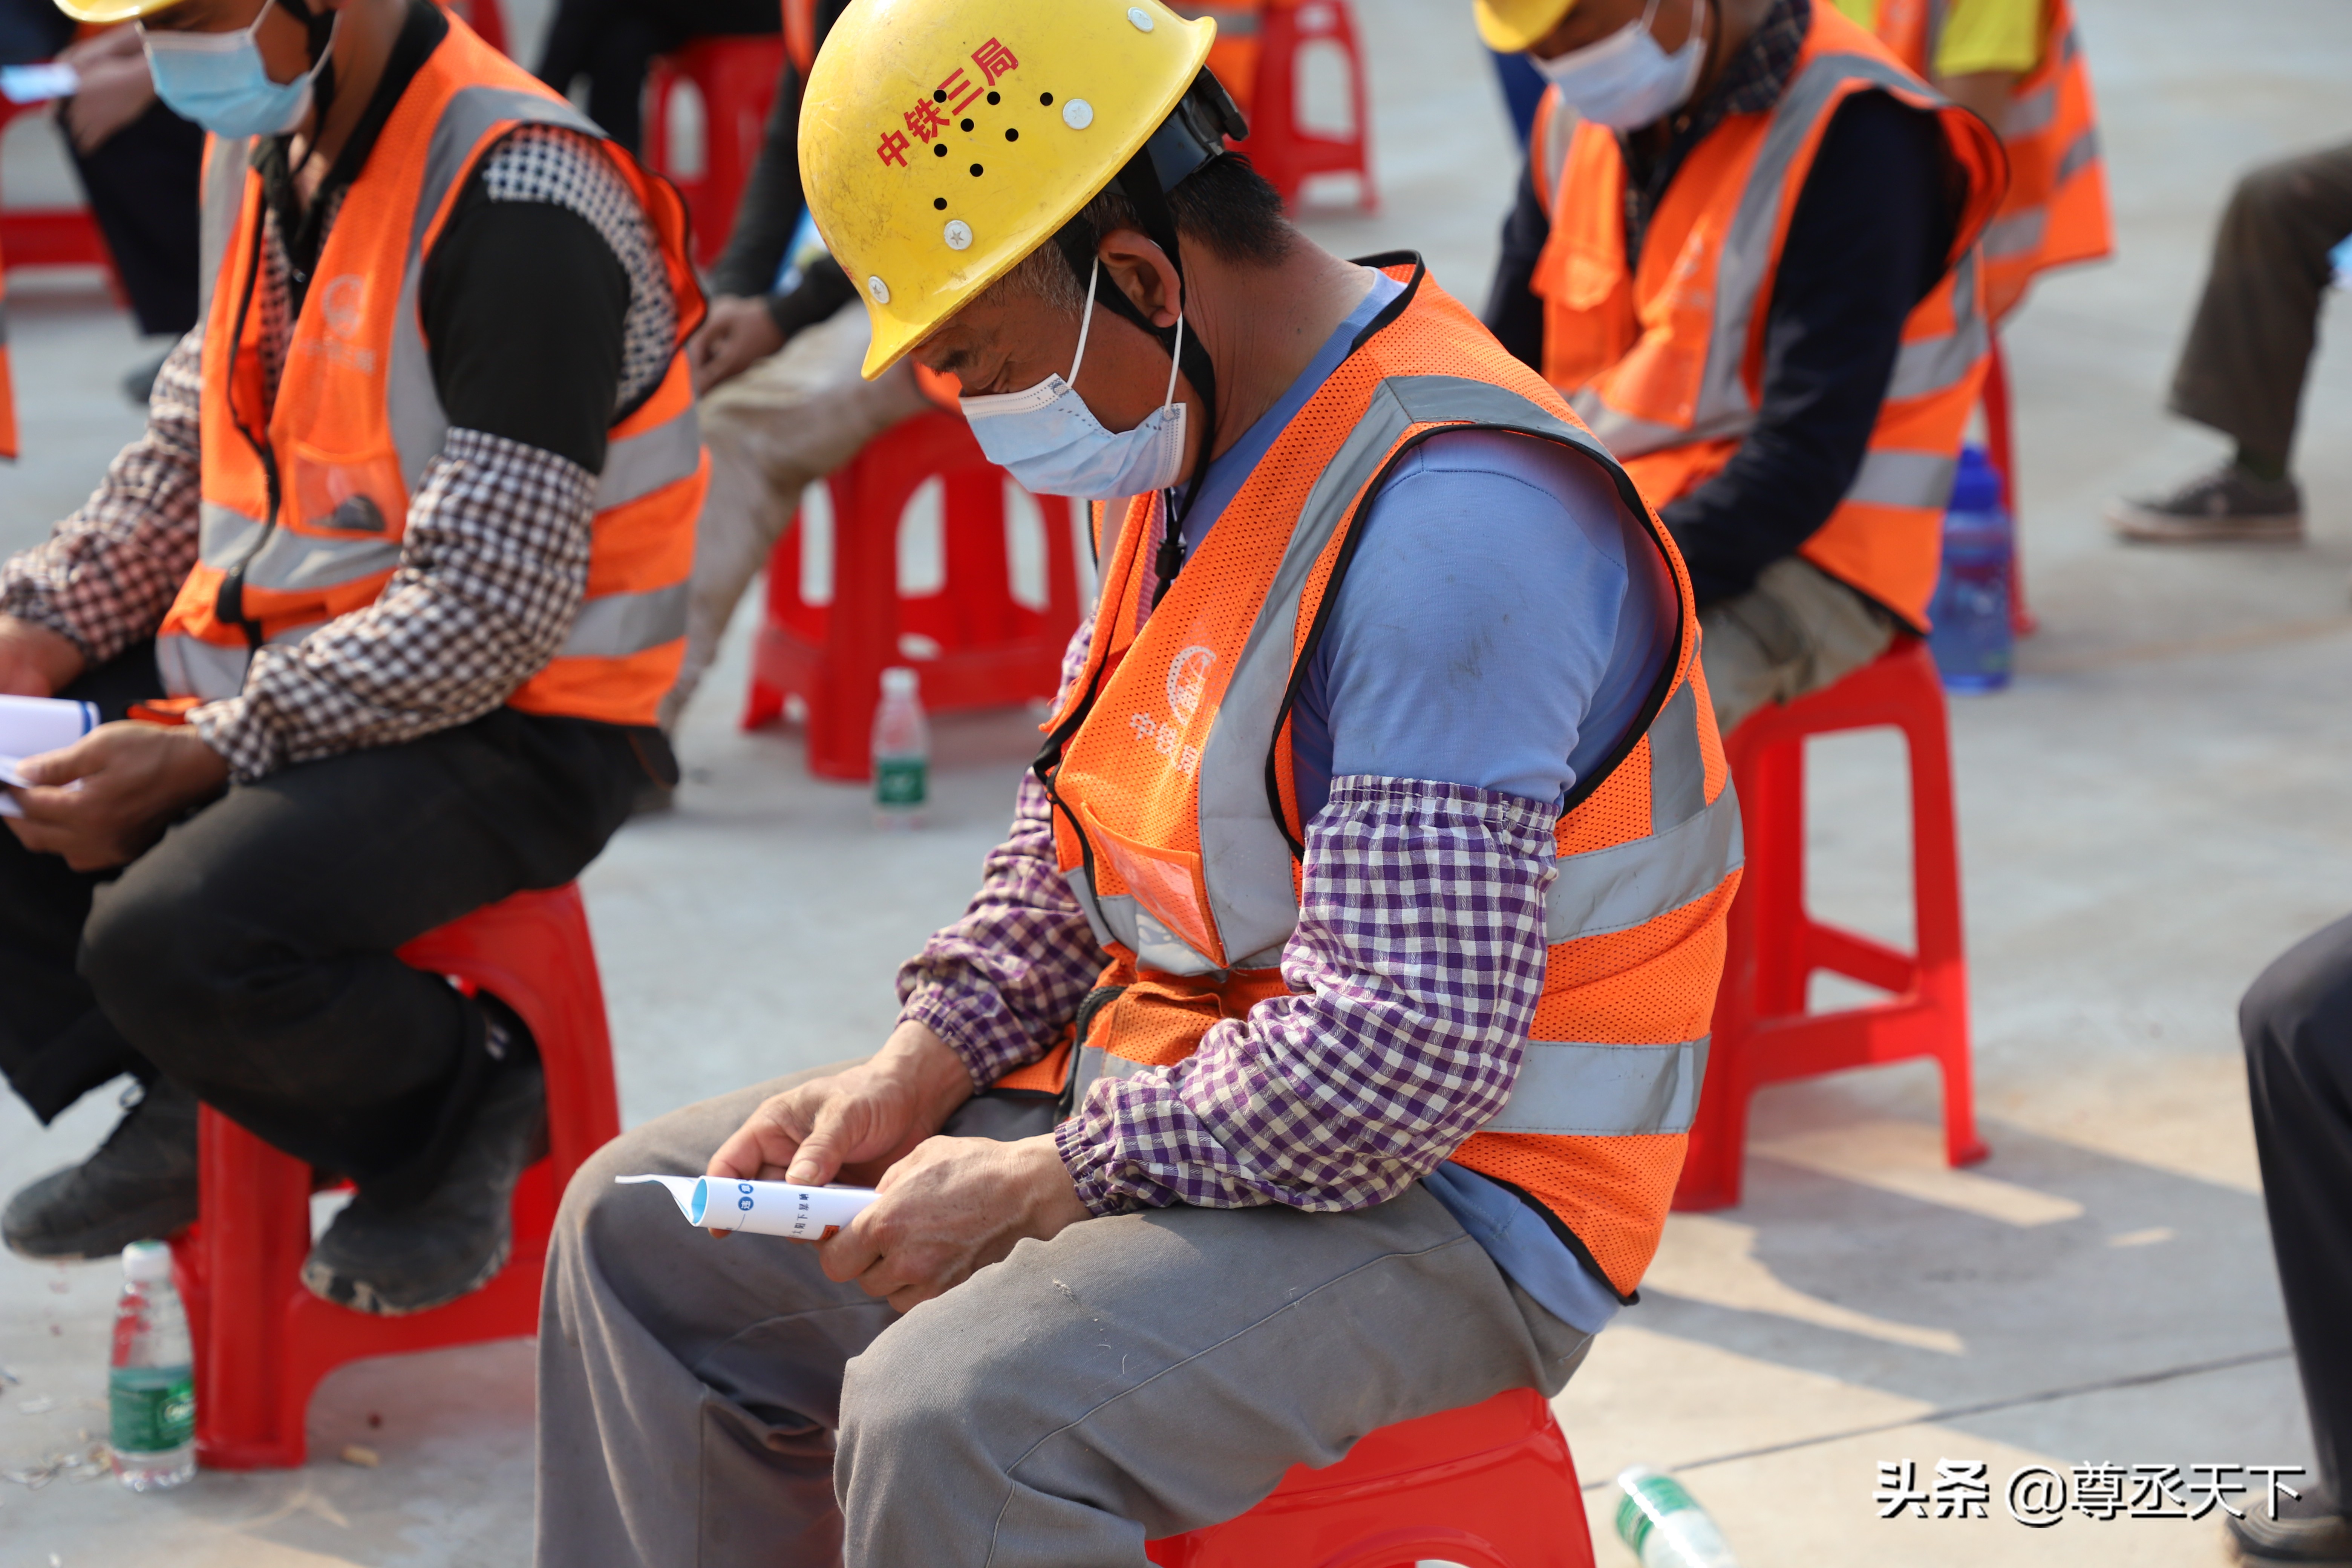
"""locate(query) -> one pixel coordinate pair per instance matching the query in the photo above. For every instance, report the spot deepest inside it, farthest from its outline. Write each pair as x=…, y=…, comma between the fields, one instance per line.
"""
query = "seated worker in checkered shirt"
x=393, y=582
x=1319, y=1049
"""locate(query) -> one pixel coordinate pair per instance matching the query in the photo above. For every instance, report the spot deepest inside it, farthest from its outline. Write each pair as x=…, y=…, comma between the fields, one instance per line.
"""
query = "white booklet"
x=764, y=1208
x=32, y=725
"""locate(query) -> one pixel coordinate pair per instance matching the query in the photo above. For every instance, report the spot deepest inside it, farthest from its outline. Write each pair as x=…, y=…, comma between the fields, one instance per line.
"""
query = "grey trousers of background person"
x=702, y=1403
x=772, y=432
x=1798, y=630
x=2241, y=371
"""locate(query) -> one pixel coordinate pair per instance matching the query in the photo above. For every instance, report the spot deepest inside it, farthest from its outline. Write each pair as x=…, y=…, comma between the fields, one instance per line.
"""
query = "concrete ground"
x=2146, y=821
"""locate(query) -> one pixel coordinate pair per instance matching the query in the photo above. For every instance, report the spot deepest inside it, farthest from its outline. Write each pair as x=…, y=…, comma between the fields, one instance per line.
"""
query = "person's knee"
x=2267, y=197
x=2298, y=1013
x=926, y=1396
x=167, y=965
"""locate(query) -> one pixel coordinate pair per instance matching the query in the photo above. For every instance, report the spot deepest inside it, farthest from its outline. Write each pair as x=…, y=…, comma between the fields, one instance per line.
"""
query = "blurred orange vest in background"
x=1665, y=361
x=305, y=496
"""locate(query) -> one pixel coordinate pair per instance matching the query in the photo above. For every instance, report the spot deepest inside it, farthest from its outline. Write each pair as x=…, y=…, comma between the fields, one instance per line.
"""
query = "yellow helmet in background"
x=108, y=12
x=1510, y=26
x=943, y=141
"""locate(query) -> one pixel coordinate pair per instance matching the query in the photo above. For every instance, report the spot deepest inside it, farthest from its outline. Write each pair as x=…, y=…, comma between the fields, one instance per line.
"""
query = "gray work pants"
x=772, y=432
x=1798, y=630
x=703, y=1402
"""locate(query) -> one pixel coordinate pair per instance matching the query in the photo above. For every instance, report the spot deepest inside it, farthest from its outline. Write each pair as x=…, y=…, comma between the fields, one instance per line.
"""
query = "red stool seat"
x=976, y=641
x=52, y=237
x=262, y=1342
x=736, y=76
x=1281, y=145
x=1487, y=1486
x=1763, y=1033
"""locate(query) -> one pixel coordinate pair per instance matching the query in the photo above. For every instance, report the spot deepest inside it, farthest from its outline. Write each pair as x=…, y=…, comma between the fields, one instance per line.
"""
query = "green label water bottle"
x=902, y=751
x=1664, y=1525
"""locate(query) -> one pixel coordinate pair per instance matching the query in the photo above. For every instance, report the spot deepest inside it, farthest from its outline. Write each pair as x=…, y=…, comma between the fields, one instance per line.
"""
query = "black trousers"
x=2243, y=368
x=142, y=187
x=249, y=954
x=2297, y=1024
x=610, y=42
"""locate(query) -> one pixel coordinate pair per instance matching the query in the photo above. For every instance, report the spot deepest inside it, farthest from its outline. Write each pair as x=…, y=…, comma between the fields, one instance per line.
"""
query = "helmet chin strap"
x=321, y=27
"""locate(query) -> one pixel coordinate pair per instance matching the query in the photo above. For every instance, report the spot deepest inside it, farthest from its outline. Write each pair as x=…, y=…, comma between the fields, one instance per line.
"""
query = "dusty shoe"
x=392, y=1262
x=2228, y=504
x=2316, y=1538
x=141, y=1186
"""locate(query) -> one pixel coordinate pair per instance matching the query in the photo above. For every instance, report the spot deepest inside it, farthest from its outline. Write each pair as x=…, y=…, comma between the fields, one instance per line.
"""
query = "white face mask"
x=1048, y=439
x=1626, y=80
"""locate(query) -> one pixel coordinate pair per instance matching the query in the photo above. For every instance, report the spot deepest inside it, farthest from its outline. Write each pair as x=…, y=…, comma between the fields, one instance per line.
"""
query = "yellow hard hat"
x=1511, y=26
x=108, y=12
x=943, y=141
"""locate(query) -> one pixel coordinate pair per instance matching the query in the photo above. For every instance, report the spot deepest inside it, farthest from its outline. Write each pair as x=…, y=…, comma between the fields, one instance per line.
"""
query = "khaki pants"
x=723, y=1403
x=772, y=432
x=1798, y=630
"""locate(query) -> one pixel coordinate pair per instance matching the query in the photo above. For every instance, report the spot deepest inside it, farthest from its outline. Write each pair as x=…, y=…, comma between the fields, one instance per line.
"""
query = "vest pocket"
x=1165, y=883
x=356, y=493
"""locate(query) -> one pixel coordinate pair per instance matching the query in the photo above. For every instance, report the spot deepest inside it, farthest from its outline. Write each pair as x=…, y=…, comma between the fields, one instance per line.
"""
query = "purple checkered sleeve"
x=1413, y=977
x=105, y=575
x=1002, y=984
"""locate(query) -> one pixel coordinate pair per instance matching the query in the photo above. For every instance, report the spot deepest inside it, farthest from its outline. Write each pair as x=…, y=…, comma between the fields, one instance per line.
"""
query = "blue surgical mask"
x=219, y=81
x=1048, y=439
x=1627, y=81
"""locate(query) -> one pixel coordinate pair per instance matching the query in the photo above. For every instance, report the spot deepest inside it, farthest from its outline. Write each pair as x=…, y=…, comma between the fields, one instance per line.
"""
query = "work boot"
x=2311, y=1534
x=392, y=1262
x=2225, y=504
x=141, y=1186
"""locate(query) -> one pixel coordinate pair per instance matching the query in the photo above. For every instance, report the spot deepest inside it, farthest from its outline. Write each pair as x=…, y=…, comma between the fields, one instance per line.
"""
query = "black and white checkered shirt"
x=493, y=566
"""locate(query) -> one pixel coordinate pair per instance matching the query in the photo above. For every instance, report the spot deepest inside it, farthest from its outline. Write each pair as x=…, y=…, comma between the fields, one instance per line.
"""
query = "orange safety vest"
x=1177, y=815
x=1665, y=364
x=306, y=501
x=2056, y=211
x=1233, y=57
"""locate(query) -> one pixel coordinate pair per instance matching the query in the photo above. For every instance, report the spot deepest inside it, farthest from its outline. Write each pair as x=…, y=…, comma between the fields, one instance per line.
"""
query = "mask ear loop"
x=1086, y=321
x=1176, y=355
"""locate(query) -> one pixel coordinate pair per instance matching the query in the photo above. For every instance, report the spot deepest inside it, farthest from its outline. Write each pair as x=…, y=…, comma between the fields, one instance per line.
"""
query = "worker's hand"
x=115, y=91
x=853, y=1123
x=128, y=783
x=34, y=660
x=737, y=334
x=952, y=1207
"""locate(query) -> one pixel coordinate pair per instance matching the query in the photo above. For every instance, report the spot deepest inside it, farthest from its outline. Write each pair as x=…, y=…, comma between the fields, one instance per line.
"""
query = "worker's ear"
x=1138, y=267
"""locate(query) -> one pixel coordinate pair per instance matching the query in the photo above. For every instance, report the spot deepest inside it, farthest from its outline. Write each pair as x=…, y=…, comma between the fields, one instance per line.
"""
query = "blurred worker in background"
x=380, y=608
x=2297, y=1025
x=777, y=368
x=1745, y=248
x=2019, y=64
x=612, y=43
x=1252, y=1103
x=2241, y=371
x=138, y=164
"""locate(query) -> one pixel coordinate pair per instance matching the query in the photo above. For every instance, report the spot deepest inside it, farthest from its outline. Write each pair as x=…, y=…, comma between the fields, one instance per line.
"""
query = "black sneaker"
x=2227, y=503
x=141, y=1186
x=139, y=384
x=392, y=1262
x=2316, y=1539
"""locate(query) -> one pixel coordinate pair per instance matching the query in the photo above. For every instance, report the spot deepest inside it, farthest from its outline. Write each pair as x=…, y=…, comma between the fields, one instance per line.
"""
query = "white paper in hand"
x=32, y=725
x=764, y=1208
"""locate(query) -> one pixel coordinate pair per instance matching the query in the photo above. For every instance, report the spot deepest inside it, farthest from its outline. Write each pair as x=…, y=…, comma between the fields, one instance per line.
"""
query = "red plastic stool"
x=2001, y=450
x=1279, y=147
x=1763, y=1033
x=975, y=642
x=262, y=1342
x=1487, y=1485
x=52, y=237
x=484, y=17
x=736, y=79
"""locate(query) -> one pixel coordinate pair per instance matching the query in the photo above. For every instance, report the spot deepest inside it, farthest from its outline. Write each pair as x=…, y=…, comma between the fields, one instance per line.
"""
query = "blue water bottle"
x=1972, y=639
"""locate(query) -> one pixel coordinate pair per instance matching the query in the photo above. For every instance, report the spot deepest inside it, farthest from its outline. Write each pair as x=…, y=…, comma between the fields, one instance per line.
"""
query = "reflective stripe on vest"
x=212, y=672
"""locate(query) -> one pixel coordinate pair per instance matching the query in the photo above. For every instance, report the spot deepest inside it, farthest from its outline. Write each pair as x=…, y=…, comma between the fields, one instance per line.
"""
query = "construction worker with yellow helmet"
x=1318, y=1050
x=380, y=608
x=1745, y=250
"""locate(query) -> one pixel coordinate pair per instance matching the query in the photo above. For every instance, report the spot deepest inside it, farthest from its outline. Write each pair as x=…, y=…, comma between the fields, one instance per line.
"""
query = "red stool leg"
x=2001, y=448
x=254, y=1233
x=1943, y=981
x=862, y=630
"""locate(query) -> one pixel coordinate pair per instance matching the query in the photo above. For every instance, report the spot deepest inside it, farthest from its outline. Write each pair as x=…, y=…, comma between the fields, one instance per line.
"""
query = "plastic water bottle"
x=1664, y=1526
x=151, y=1393
x=902, y=752
x=1972, y=636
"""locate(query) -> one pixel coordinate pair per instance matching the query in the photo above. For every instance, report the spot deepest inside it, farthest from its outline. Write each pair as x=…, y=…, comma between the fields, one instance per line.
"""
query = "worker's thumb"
x=818, y=1159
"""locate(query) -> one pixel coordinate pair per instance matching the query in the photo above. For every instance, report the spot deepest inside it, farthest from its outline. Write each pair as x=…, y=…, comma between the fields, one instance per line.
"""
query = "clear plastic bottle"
x=150, y=1392
x=1664, y=1525
x=1972, y=638
x=902, y=751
